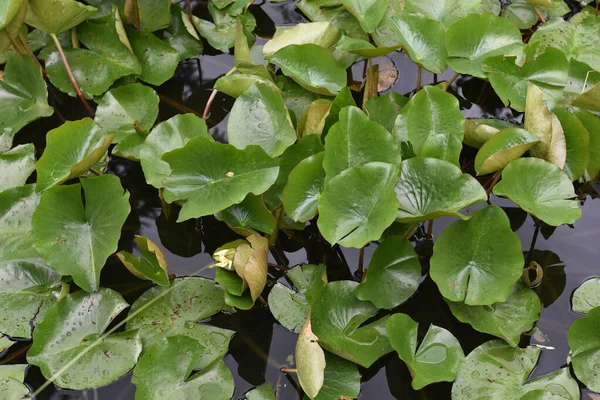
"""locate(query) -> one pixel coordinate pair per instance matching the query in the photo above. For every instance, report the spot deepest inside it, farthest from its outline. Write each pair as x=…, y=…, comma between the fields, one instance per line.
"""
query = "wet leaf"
x=157, y=58
x=70, y=346
x=305, y=185
x=149, y=15
x=57, y=16
x=337, y=316
x=431, y=188
x=212, y=176
x=235, y=85
x=260, y=117
x=150, y=265
x=506, y=320
x=540, y=188
x=393, y=275
x=322, y=34
x=584, y=341
x=504, y=147
x=368, y=12
x=165, y=371
x=587, y=296
x=358, y=204
x=249, y=216
x=16, y=166
x=437, y=358
x=310, y=361
x=478, y=260
x=11, y=381
x=177, y=310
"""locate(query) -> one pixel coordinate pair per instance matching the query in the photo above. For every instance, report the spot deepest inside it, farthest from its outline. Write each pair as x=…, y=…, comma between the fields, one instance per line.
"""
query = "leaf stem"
x=429, y=235
x=71, y=77
x=411, y=230
x=74, y=38
x=279, y=267
x=361, y=261
x=178, y=106
x=539, y=15
x=212, y=96
x=95, y=172
x=273, y=237
x=494, y=181
x=533, y=241
x=451, y=81
x=30, y=52
x=419, y=73
x=288, y=370
x=15, y=45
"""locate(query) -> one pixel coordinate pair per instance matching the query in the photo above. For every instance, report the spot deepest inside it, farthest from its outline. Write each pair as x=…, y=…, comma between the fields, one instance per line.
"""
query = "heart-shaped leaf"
x=336, y=319
x=393, y=275
x=445, y=11
x=177, y=310
x=75, y=239
x=430, y=188
x=384, y=109
x=260, y=117
x=16, y=165
x=323, y=34
x=342, y=379
x=478, y=260
x=586, y=296
x=368, y=12
x=249, y=216
x=503, y=148
x=212, y=176
x=165, y=371
x=150, y=265
x=584, y=341
x=358, y=204
x=438, y=356
x=540, y=188
x=11, y=381
x=506, y=320
x=157, y=58
x=305, y=185
x=57, y=16
x=70, y=346
x=310, y=361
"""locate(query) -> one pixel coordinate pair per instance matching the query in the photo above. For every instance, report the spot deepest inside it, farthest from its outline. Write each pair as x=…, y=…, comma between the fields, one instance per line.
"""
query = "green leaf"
x=262, y=392
x=177, y=310
x=338, y=16
x=497, y=370
x=358, y=204
x=71, y=150
x=312, y=67
x=522, y=15
x=355, y=141
x=363, y=48
x=436, y=360
x=430, y=188
x=288, y=307
x=368, y=12
x=322, y=34
x=384, y=109
x=476, y=37
x=212, y=176
x=506, y=320
x=11, y=381
x=549, y=71
x=57, y=16
x=235, y=85
x=478, y=260
x=123, y=108
x=393, y=275
x=480, y=130
x=150, y=265
x=249, y=216
x=587, y=296
x=445, y=11
x=584, y=342
x=221, y=33
x=165, y=371
x=422, y=39
x=592, y=124
x=151, y=15
x=305, y=185
x=540, y=121
x=337, y=316
x=24, y=94
x=310, y=361
x=169, y=135
x=16, y=166
x=541, y=189
x=70, y=346
x=502, y=148
x=181, y=35
x=342, y=379
x=75, y=239
x=435, y=125
x=577, y=139
x=158, y=59
x=260, y=117
x=5, y=344
x=8, y=11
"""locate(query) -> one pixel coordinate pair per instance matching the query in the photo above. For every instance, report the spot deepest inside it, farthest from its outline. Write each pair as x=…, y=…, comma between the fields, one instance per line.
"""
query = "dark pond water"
x=261, y=346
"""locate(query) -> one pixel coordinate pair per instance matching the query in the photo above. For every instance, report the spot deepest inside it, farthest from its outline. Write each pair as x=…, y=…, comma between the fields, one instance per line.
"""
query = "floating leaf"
x=312, y=67
x=235, y=85
x=495, y=369
x=445, y=11
x=362, y=48
x=358, y=204
x=368, y=12
x=478, y=260
x=212, y=176
x=506, y=320
x=148, y=15
x=75, y=239
x=342, y=379
x=165, y=371
x=177, y=310
x=24, y=94
x=476, y=37
x=577, y=139
x=11, y=381
x=310, y=361
x=541, y=189
x=592, y=124
x=5, y=344
x=337, y=316
x=338, y=16
x=322, y=34
x=158, y=59
x=305, y=185
x=260, y=117
x=436, y=360
x=249, y=216
x=384, y=109
x=393, y=275
x=16, y=166
x=181, y=34
x=430, y=188
x=584, y=342
x=522, y=15
x=150, y=265
x=82, y=356
x=504, y=147
x=262, y=392
x=587, y=296
x=57, y=16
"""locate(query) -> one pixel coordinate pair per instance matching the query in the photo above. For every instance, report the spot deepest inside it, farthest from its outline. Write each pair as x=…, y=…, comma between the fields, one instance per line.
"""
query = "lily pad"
x=310, y=361
x=584, y=342
x=430, y=188
x=260, y=117
x=504, y=147
x=478, y=260
x=445, y=11
x=11, y=381
x=150, y=265
x=249, y=216
x=70, y=345
x=212, y=176
x=587, y=296
x=368, y=12
x=75, y=239
x=57, y=16
x=165, y=371
x=577, y=139
x=506, y=320
x=337, y=316
x=384, y=109
x=541, y=189
x=363, y=48
x=16, y=165
x=177, y=310
x=358, y=204
x=158, y=59
x=323, y=34
x=235, y=85
x=342, y=379
x=438, y=356
x=393, y=275
x=480, y=130
x=305, y=185
x=592, y=124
